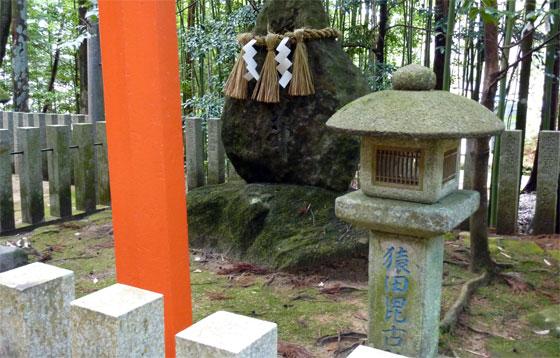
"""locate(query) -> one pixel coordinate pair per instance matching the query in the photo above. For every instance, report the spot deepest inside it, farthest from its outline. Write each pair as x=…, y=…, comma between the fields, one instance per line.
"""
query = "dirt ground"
x=323, y=312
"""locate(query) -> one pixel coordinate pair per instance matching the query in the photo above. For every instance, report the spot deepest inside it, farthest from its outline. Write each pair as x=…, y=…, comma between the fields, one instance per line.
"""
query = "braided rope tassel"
x=302, y=82
x=236, y=84
x=267, y=89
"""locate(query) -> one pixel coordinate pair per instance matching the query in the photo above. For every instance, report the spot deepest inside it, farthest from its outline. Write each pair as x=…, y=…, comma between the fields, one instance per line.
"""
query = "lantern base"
x=405, y=275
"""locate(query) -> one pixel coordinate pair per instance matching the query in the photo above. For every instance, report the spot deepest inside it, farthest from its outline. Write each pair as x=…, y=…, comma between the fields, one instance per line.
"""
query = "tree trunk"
x=82, y=59
x=20, y=66
x=480, y=253
x=428, y=40
x=383, y=22
x=441, y=10
x=525, y=73
x=550, y=92
x=448, y=43
x=96, y=109
x=510, y=19
x=5, y=22
x=50, y=86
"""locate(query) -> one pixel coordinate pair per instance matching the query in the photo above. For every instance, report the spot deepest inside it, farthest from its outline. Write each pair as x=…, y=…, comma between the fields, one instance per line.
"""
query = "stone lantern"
x=409, y=197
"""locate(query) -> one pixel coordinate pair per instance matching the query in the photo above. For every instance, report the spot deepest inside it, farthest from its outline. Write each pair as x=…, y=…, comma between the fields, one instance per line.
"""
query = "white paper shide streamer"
x=283, y=62
x=251, y=64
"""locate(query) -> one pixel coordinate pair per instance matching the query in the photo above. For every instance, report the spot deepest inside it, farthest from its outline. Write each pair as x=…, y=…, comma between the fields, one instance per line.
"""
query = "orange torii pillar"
x=143, y=111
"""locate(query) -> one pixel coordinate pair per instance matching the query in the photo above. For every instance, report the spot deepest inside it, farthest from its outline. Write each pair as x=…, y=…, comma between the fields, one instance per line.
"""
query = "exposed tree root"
x=467, y=290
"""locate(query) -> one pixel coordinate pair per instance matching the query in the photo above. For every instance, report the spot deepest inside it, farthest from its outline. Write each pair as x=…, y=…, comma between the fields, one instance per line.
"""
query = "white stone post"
x=228, y=335
x=368, y=352
x=35, y=311
x=118, y=321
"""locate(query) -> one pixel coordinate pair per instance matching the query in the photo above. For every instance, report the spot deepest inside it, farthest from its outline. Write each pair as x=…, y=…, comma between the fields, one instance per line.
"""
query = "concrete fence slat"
x=41, y=122
x=194, y=153
x=17, y=123
x=9, y=126
x=508, y=182
x=216, y=154
x=60, y=197
x=7, y=219
x=103, y=187
x=51, y=118
x=84, y=167
x=35, y=311
x=546, y=217
x=30, y=175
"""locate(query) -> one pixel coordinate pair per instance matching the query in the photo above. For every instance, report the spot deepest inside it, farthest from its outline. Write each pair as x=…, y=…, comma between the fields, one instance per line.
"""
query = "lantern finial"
x=414, y=78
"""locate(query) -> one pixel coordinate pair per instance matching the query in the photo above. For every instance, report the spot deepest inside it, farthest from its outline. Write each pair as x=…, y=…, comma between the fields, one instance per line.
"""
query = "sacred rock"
x=288, y=142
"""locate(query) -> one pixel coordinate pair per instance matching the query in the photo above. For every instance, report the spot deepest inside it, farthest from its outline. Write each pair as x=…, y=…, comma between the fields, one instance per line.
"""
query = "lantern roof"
x=412, y=109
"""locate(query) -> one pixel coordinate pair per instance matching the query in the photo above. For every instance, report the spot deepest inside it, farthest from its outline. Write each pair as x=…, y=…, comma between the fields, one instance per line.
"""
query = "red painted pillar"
x=143, y=111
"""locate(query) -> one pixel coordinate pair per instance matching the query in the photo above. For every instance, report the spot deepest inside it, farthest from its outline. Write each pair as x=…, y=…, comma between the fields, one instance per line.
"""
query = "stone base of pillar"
x=118, y=321
x=225, y=334
x=35, y=310
x=405, y=275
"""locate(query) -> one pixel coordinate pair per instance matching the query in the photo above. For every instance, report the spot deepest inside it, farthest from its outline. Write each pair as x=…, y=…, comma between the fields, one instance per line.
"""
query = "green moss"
x=536, y=346
x=281, y=226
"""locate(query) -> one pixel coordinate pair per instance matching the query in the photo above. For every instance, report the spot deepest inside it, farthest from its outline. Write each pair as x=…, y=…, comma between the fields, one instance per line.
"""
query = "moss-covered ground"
x=502, y=319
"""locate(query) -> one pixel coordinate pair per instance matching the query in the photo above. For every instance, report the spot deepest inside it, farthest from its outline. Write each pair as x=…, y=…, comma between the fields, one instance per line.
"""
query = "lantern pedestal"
x=405, y=265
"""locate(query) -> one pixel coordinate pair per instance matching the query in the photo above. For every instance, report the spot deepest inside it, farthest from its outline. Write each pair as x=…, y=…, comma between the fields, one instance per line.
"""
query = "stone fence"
x=61, y=149
x=53, y=148
x=546, y=209
x=40, y=317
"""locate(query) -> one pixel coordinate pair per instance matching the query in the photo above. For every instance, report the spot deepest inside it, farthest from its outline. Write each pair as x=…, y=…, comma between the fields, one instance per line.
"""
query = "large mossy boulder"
x=279, y=226
x=288, y=142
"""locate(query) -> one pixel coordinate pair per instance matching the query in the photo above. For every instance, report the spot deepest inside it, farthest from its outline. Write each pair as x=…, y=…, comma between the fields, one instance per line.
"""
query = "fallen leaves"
x=290, y=350
x=242, y=267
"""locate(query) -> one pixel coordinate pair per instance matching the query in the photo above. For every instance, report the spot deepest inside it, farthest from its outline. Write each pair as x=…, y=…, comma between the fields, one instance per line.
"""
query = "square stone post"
x=405, y=265
x=12, y=257
x=103, y=188
x=194, y=153
x=7, y=220
x=508, y=182
x=368, y=352
x=118, y=321
x=31, y=176
x=35, y=311
x=216, y=154
x=58, y=139
x=84, y=167
x=228, y=335
x=546, y=217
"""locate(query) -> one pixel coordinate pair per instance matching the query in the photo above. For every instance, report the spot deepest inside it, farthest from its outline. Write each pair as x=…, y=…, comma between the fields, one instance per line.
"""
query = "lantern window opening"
x=449, y=165
x=398, y=167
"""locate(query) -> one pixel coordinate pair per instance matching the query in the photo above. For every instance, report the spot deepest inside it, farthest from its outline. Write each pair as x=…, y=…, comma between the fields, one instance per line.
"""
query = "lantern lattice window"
x=398, y=167
x=449, y=165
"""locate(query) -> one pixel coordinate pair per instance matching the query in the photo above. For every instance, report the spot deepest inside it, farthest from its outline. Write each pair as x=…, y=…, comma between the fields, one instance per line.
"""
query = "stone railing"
x=40, y=317
x=62, y=149
x=203, y=144
x=546, y=208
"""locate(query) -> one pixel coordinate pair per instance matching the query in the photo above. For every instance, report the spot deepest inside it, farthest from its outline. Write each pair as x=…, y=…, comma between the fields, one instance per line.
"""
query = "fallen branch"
x=467, y=290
